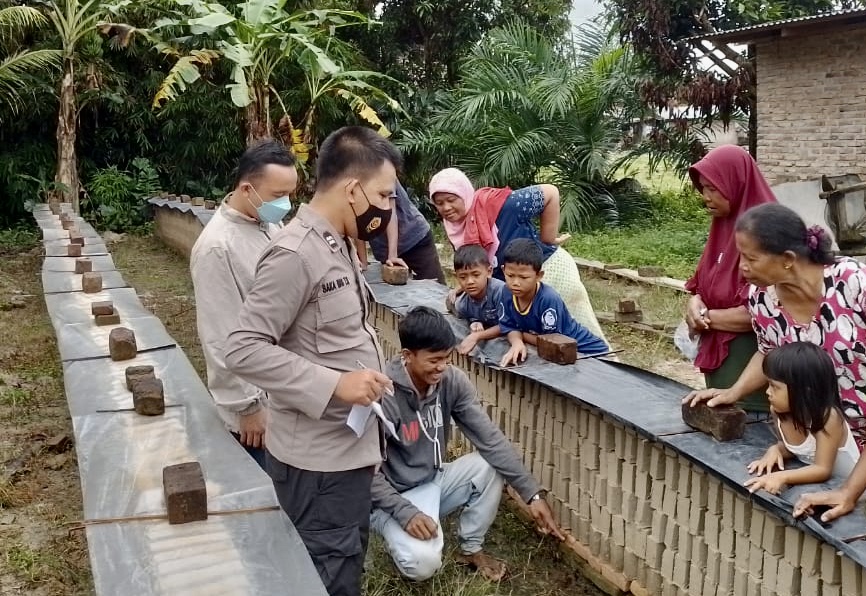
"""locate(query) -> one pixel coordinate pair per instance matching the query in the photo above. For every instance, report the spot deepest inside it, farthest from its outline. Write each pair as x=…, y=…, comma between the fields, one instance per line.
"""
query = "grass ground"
x=40, y=495
x=39, y=489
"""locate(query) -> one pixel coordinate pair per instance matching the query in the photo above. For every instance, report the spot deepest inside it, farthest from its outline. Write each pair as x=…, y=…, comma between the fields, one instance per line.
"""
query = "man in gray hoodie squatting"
x=415, y=486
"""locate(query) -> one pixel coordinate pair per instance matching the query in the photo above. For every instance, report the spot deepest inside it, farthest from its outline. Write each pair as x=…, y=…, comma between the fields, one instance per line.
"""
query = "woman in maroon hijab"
x=730, y=183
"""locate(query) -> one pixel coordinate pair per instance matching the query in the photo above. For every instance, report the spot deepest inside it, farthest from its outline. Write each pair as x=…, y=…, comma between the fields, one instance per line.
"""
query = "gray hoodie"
x=423, y=424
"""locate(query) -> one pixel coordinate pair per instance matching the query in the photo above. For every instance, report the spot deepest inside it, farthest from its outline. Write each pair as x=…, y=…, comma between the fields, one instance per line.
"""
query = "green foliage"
x=422, y=41
x=116, y=198
x=18, y=65
x=673, y=237
x=21, y=236
x=527, y=112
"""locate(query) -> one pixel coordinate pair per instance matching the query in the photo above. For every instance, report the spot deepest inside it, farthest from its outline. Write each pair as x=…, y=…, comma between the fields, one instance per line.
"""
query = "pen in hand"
x=388, y=390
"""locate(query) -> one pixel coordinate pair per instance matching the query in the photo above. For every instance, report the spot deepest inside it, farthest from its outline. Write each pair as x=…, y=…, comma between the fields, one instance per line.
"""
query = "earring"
x=787, y=266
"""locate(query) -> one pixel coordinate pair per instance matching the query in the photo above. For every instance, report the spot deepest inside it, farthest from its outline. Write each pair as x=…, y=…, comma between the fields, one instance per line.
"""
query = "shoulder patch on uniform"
x=292, y=235
x=332, y=242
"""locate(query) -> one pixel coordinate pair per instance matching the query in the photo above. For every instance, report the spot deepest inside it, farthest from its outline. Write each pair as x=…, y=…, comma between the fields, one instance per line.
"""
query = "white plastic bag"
x=684, y=343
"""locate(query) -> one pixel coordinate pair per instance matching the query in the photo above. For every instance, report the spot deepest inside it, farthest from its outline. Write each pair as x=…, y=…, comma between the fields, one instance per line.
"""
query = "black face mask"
x=372, y=222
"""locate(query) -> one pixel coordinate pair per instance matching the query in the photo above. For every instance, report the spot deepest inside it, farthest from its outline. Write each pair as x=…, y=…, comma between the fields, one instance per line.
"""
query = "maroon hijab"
x=717, y=278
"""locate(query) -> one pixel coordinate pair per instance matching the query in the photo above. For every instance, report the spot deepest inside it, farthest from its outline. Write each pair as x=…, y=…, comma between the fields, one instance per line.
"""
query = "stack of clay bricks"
x=643, y=517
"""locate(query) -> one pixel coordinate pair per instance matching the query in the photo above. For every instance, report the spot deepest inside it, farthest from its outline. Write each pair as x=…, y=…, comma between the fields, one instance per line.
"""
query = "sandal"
x=491, y=569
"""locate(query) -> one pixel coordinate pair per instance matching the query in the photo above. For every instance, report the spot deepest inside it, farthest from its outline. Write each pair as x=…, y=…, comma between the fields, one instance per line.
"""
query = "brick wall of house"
x=812, y=105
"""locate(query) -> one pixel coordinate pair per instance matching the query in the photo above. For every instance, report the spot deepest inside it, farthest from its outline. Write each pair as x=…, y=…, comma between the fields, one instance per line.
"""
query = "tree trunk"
x=67, y=161
x=257, y=115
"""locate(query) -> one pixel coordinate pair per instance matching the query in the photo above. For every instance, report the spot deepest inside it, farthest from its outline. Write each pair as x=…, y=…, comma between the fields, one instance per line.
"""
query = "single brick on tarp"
x=395, y=275
x=121, y=344
x=185, y=493
x=102, y=307
x=557, y=348
x=73, y=250
x=148, y=396
x=91, y=282
x=137, y=373
x=105, y=320
x=725, y=423
x=76, y=238
x=83, y=266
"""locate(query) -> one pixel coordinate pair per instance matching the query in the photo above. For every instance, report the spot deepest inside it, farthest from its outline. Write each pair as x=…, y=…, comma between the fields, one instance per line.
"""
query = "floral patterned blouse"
x=839, y=327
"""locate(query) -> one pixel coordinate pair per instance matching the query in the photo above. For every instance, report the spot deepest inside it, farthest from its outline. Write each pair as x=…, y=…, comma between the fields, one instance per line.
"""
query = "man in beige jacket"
x=222, y=264
x=303, y=336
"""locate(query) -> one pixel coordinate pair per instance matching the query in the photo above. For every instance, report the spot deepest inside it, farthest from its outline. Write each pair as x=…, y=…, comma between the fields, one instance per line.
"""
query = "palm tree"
x=15, y=65
x=526, y=109
x=259, y=41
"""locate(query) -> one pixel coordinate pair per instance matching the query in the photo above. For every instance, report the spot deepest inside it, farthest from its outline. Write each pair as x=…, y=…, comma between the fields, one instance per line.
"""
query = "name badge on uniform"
x=332, y=242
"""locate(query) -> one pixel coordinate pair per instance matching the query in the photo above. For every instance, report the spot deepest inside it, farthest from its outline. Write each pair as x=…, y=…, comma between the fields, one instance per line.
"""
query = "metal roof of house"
x=787, y=27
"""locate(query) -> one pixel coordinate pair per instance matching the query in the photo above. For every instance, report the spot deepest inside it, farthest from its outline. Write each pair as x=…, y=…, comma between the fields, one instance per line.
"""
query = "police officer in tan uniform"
x=303, y=337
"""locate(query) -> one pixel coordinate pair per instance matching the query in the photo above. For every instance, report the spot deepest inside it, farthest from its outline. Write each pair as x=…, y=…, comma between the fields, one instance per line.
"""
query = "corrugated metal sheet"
x=743, y=32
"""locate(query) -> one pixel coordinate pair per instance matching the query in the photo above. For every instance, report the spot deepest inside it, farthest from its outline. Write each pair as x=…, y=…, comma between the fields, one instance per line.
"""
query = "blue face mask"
x=273, y=211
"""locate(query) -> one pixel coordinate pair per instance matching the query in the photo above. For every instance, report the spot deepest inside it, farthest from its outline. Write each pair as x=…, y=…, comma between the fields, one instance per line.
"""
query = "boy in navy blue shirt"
x=479, y=299
x=531, y=308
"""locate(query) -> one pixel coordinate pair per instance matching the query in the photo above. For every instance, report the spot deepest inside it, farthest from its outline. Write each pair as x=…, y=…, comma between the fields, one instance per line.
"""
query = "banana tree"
x=73, y=22
x=259, y=39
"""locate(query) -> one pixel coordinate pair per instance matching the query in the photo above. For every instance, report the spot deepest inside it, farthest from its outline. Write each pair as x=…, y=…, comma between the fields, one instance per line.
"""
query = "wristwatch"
x=536, y=497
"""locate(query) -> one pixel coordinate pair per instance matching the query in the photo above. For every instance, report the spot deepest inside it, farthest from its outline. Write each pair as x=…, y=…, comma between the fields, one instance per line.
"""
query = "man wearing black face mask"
x=303, y=337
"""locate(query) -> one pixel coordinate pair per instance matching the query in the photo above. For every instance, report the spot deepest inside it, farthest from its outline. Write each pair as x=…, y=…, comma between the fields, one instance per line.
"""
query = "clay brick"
x=210, y=205
x=810, y=584
x=756, y=561
x=73, y=250
x=121, y=344
x=185, y=493
x=787, y=579
x=811, y=560
x=831, y=565
x=91, y=282
x=774, y=536
x=650, y=271
x=104, y=320
x=626, y=306
x=724, y=423
x=135, y=374
x=771, y=570
x=148, y=396
x=557, y=348
x=628, y=317
x=793, y=546
x=198, y=201
x=83, y=266
x=749, y=520
x=851, y=577
x=76, y=238
x=395, y=275
x=185, y=198
x=102, y=307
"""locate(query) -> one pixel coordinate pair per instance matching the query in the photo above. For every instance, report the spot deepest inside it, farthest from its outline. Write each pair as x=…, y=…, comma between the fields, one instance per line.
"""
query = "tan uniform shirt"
x=223, y=265
x=303, y=324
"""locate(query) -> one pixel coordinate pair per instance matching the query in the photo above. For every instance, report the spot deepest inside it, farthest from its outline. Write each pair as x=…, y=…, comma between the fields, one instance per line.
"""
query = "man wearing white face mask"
x=223, y=264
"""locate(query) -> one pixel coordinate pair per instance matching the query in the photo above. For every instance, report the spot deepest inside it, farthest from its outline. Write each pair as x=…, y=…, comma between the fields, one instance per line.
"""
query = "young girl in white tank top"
x=804, y=397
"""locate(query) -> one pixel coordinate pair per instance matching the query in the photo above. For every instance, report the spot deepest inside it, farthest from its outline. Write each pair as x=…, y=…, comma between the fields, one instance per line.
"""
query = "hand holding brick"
x=725, y=423
x=396, y=276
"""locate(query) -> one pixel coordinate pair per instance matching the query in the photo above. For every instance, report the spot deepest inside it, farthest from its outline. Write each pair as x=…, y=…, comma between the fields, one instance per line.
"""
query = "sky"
x=583, y=10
